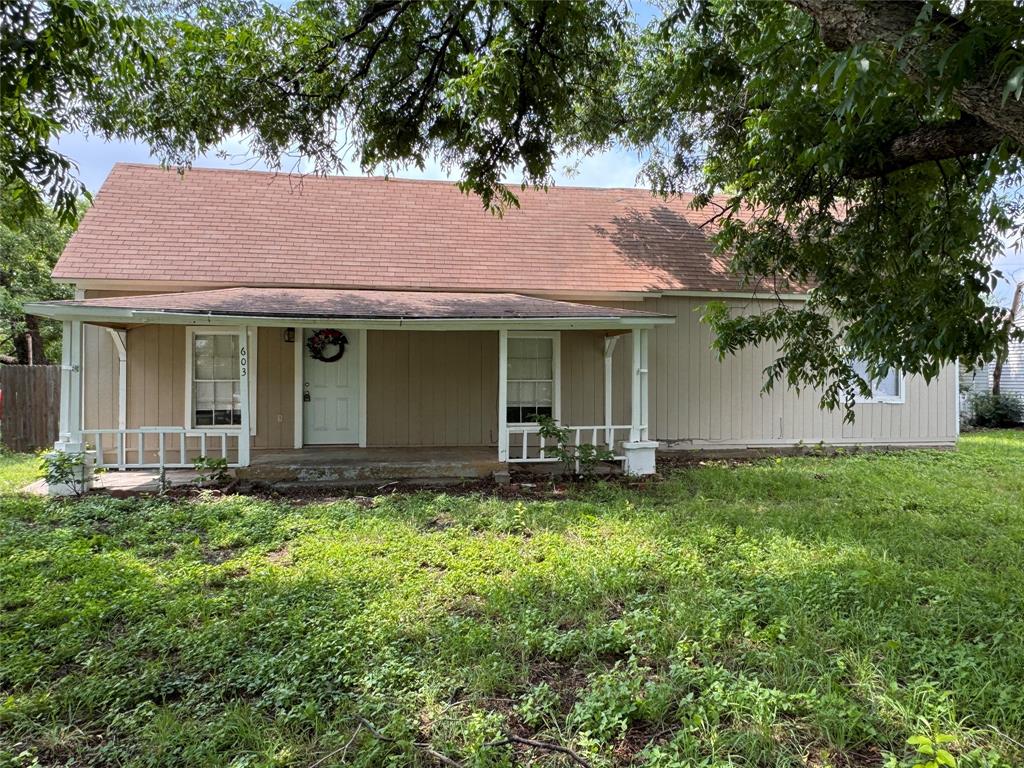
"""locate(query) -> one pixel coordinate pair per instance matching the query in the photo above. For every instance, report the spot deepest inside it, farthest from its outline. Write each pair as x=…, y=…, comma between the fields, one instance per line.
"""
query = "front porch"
x=156, y=382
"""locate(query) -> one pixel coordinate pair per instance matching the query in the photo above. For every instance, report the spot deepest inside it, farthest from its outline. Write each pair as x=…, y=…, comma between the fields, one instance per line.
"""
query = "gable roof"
x=216, y=227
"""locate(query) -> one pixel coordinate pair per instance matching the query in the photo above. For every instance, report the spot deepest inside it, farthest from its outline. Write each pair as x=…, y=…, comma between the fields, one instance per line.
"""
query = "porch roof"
x=361, y=308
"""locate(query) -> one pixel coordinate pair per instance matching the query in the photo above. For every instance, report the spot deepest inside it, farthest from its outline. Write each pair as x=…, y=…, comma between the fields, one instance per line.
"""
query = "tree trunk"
x=997, y=370
x=28, y=345
x=846, y=23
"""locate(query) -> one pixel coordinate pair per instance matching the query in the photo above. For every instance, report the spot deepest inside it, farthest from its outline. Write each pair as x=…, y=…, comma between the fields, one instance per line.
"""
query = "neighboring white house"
x=1012, y=379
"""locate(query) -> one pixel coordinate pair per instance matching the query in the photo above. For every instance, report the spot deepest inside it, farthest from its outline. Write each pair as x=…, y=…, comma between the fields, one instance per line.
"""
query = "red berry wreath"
x=326, y=337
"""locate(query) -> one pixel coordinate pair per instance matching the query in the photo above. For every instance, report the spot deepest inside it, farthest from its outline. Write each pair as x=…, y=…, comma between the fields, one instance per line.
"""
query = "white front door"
x=330, y=394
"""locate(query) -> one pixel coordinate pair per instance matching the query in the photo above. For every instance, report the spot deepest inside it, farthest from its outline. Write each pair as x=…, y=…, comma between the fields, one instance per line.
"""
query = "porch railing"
x=526, y=446
x=160, y=447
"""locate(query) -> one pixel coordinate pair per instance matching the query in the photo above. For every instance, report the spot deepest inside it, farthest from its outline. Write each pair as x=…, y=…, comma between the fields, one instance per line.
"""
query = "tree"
x=64, y=65
x=28, y=251
x=871, y=150
x=868, y=149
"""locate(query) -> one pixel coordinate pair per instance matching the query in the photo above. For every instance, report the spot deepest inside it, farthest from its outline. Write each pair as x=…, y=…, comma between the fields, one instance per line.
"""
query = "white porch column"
x=244, y=436
x=503, y=395
x=609, y=350
x=70, y=439
x=639, y=451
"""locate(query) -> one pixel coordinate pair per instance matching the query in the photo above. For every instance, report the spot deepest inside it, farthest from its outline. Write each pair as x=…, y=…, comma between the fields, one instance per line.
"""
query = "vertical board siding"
x=156, y=376
x=275, y=389
x=431, y=388
x=705, y=402
x=100, y=372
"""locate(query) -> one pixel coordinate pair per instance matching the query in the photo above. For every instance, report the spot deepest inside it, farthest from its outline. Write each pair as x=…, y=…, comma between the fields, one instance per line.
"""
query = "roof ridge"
x=378, y=178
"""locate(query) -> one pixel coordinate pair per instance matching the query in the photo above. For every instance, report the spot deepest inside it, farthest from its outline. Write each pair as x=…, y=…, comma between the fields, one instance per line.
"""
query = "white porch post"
x=70, y=439
x=244, y=437
x=503, y=395
x=609, y=350
x=640, y=452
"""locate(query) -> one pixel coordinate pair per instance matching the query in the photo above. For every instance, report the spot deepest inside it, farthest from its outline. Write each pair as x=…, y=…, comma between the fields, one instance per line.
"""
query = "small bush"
x=1002, y=410
x=64, y=469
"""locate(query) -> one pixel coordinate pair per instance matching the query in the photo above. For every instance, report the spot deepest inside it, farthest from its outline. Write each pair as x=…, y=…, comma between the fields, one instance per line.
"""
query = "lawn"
x=791, y=612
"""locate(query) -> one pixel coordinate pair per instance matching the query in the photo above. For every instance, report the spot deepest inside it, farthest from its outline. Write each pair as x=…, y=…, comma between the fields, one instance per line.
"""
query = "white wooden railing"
x=160, y=447
x=526, y=446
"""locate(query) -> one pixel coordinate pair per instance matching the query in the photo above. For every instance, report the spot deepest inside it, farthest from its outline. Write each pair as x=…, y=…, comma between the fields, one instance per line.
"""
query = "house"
x=1011, y=379
x=269, y=320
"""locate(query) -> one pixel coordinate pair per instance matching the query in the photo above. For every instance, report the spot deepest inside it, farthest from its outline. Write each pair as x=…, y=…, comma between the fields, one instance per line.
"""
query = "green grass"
x=17, y=470
x=792, y=612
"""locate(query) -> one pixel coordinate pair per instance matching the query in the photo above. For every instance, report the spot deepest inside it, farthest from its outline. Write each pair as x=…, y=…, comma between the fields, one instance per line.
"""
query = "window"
x=216, y=400
x=532, y=374
x=888, y=389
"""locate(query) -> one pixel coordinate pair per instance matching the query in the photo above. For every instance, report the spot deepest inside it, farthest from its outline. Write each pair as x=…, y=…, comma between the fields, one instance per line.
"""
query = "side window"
x=888, y=389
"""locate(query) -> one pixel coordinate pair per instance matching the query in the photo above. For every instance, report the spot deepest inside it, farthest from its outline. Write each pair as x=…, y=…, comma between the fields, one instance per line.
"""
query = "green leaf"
x=1014, y=85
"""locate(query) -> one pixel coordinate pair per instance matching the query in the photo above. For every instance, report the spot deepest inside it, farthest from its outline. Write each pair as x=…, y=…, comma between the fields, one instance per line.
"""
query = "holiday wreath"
x=326, y=337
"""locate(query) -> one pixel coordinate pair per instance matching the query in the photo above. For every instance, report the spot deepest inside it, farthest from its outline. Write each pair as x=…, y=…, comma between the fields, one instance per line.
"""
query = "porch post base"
x=84, y=475
x=640, y=457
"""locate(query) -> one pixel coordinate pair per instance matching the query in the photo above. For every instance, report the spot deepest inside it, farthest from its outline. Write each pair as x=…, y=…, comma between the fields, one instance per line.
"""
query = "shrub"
x=210, y=470
x=990, y=410
x=64, y=469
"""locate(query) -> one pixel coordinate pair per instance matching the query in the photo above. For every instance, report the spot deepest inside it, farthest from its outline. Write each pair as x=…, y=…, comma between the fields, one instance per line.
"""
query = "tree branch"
x=958, y=138
x=846, y=23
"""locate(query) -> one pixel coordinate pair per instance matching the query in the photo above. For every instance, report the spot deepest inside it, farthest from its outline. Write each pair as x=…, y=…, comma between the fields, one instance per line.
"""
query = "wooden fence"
x=30, y=406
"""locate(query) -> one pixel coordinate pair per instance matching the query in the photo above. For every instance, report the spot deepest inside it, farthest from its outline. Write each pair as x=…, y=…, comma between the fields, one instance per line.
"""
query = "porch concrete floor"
x=347, y=465
x=134, y=480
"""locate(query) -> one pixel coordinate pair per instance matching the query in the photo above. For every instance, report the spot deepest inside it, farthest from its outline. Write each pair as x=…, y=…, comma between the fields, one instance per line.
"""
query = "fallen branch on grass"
x=546, y=745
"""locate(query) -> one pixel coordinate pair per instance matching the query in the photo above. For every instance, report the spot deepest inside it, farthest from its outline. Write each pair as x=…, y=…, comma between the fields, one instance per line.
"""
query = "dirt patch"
x=218, y=555
x=282, y=556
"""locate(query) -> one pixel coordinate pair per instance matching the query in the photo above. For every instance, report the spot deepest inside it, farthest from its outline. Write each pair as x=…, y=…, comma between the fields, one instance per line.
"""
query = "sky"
x=95, y=157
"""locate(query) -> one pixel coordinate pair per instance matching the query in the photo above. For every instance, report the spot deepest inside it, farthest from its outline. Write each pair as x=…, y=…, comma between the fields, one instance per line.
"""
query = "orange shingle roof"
x=228, y=227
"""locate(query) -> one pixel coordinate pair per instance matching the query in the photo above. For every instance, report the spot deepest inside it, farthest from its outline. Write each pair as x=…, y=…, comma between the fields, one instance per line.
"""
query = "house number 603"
x=243, y=359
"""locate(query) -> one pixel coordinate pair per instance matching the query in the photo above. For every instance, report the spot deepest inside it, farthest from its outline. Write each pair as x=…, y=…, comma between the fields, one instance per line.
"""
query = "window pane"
x=889, y=386
x=519, y=368
x=543, y=394
x=202, y=394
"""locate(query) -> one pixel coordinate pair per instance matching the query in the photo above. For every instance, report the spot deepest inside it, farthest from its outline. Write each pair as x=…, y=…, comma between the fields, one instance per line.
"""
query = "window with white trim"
x=531, y=378
x=888, y=389
x=216, y=396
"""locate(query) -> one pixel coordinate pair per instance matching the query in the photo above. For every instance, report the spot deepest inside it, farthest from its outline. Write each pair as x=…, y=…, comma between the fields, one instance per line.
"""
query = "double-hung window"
x=532, y=378
x=216, y=389
x=888, y=389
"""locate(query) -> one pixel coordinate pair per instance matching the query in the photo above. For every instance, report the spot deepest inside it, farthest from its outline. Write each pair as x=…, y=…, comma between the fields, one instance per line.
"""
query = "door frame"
x=299, y=367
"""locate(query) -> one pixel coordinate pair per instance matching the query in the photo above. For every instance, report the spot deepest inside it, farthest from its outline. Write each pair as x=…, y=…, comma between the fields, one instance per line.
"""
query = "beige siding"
x=698, y=400
x=440, y=388
x=275, y=390
x=99, y=378
x=156, y=376
x=432, y=388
